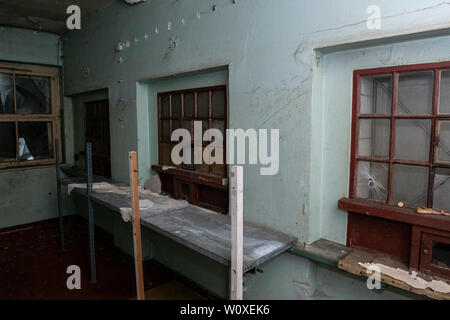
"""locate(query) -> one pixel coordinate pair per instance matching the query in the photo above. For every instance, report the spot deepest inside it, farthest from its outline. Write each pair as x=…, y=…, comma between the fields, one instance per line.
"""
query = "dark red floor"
x=32, y=265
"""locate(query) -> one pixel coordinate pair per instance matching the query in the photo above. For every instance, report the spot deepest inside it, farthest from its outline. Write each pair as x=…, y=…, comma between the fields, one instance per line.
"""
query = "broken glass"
x=35, y=140
x=373, y=180
x=376, y=94
x=33, y=95
x=6, y=93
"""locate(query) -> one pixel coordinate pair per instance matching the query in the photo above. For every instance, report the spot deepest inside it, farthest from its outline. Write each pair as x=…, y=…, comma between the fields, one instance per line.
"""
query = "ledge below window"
x=193, y=176
x=390, y=212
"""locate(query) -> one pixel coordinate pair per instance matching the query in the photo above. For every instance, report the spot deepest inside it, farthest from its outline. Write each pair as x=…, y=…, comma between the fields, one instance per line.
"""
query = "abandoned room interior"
x=347, y=102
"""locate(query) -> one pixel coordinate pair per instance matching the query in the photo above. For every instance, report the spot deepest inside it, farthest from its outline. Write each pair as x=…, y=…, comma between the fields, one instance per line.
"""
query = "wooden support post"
x=237, y=232
x=136, y=226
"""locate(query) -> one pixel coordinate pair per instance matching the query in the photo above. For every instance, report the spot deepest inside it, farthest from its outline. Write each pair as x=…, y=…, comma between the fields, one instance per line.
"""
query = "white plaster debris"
x=127, y=213
x=410, y=279
x=95, y=186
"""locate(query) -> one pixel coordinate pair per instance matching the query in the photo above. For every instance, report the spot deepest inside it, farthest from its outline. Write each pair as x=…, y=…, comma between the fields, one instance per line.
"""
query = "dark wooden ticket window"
x=203, y=185
x=400, y=160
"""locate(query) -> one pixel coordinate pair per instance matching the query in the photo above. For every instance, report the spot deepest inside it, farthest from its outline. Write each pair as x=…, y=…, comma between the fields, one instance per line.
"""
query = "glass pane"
x=441, y=254
x=205, y=125
x=189, y=108
x=6, y=94
x=176, y=106
x=176, y=124
x=444, y=141
x=165, y=152
x=410, y=185
x=33, y=95
x=373, y=181
x=203, y=104
x=444, y=95
x=412, y=140
x=187, y=125
x=218, y=103
x=441, y=190
x=374, y=138
x=165, y=107
x=35, y=140
x=219, y=124
x=7, y=141
x=165, y=130
x=415, y=93
x=376, y=94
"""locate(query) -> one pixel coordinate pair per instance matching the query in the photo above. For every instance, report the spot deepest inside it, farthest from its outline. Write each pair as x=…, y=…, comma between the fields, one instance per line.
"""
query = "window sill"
x=347, y=260
x=192, y=176
x=390, y=212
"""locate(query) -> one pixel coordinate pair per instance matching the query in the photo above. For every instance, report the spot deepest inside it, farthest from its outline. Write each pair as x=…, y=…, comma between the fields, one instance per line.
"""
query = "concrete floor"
x=33, y=267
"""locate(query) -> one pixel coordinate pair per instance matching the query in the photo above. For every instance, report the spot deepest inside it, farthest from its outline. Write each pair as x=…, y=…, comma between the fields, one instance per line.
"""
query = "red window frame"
x=432, y=164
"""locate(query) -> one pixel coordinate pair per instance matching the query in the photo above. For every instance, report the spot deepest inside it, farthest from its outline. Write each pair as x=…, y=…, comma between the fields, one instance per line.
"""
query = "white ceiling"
x=44, y=15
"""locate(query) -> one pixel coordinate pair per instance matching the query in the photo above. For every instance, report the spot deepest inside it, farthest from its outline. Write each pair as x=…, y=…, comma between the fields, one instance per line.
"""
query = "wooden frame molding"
x=54, y=117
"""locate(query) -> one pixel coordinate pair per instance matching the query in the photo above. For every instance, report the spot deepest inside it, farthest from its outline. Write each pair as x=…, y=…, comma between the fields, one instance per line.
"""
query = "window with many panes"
x=180, y=109
x=401, y=136
x=29, y=115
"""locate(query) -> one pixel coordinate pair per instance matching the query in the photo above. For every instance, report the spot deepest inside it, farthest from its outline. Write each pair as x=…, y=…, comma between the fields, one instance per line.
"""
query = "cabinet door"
x=435, y=254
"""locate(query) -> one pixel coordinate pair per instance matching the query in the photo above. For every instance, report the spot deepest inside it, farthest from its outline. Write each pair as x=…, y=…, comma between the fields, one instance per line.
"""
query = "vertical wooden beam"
x=136, y=226
x=237, y=232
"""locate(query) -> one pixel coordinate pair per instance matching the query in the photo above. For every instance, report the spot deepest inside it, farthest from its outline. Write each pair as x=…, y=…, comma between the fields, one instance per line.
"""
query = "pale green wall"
x=28, y=195
x=276, y=79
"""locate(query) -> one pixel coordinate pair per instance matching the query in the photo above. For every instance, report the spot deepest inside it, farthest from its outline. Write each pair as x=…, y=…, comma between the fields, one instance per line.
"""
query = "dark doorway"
x=97, y=132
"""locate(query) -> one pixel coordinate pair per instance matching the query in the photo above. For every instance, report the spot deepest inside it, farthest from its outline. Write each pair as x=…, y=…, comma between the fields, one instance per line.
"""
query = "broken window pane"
x=373, y=181
x=374, y=138
x=35, y=140
x=444, y=141
x=203, y=104
x=376, y=94
x=415, y=93
x=441, y=254
x=412, y=140
x=7, y=141
x=33, y=95
x=165, y=106
x=444, y=94
x=189, y=108
x=218, y=103
x=6, y=94
x=410, y=185
x=176, y=106
x=441, y=189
